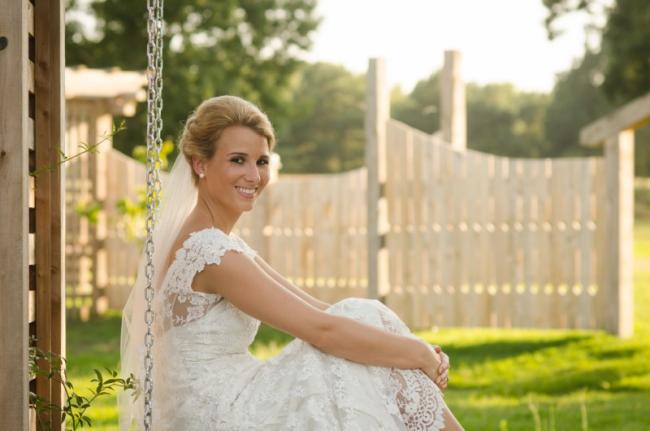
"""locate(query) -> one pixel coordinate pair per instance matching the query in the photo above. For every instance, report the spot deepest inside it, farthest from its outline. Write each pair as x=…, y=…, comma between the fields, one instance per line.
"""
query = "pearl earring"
x=201, y=175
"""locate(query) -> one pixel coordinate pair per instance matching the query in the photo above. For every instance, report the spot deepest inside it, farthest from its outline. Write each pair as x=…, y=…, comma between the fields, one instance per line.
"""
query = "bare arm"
x=247, y=286
x=290, y=286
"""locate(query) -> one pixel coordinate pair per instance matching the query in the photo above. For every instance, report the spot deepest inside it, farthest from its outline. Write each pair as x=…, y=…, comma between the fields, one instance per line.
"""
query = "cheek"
x=265, y=176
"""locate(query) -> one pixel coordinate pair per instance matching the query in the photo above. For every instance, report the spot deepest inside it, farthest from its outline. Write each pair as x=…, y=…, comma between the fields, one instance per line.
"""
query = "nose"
x=253, y=174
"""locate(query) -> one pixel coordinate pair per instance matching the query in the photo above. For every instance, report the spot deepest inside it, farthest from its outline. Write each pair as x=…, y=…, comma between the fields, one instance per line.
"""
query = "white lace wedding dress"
x=213, y=383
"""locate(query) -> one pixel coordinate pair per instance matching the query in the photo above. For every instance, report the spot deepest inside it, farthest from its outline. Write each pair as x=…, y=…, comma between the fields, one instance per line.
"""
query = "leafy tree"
x=212, y=47
x=577, y=100
x=421, y=108
x=624, y=42
x=326, y=131
x=500, y=119
x=505, y=121
x=621, y=64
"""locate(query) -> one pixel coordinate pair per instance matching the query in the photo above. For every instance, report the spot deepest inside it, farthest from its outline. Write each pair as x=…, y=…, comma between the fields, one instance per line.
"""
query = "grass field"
x=500, y=380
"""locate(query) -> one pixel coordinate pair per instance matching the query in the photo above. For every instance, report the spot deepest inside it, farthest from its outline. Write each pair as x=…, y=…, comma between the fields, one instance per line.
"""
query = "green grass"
x=500, y=379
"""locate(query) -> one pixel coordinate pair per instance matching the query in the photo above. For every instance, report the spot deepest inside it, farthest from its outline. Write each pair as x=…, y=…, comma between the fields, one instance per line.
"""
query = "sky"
x=500, y=40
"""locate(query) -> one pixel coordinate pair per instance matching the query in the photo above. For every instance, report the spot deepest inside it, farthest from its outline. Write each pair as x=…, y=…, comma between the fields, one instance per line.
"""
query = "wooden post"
x=100, y=127
x=616, y=131
x=377, y=114
x=48, y=76
x=618, y=292
x=453, y=117
x=14, y=212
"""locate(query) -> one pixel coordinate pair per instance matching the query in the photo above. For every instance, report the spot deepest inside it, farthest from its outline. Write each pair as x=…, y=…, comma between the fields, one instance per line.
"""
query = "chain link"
x=154, y=144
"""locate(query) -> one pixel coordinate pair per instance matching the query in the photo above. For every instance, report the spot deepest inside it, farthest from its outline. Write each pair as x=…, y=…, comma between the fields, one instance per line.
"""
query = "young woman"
x=353, y=365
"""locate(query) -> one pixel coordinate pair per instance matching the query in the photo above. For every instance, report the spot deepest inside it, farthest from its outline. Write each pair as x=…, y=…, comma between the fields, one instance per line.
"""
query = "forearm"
x=290, y=286
x=367, y=344
x=305, y=296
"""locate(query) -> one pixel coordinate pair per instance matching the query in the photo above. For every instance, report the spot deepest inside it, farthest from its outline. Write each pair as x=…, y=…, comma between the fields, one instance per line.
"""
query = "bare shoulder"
x=244, y=283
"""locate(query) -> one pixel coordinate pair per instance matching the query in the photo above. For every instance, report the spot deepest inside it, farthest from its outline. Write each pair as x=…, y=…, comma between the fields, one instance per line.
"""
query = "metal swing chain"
x=154, y=144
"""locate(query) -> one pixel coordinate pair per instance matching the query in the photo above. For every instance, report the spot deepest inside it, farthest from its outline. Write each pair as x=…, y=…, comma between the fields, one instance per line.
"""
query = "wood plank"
x=453, y=116
x=30, y=77
x=585, y=314
x=633, y=115
x=601, y=208
x=475, y=176
x=486, y=231
x=57, y=134
x=48, y=119
x=619, y=165
x=525, y=254
x=30, y=135
x=391, y=196
x=29, y=18
x=295, y=255
x=361, y=240
x=557, y=264
x=377, y=115
x=434, y=202
x=14, y=213
x=547, y=288
x=502, y=259
x=450, y=232
x=401, y=254
x=417, y=249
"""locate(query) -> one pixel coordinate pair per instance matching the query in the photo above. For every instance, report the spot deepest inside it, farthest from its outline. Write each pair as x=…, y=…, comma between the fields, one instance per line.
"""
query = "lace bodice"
x=180, y=303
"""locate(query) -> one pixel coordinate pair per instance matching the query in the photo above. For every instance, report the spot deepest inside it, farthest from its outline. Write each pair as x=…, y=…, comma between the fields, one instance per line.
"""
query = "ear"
x=198, y=165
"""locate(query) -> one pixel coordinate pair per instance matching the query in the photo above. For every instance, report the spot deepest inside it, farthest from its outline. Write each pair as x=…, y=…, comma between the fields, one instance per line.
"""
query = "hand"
x=443, y=370
x=434, y=363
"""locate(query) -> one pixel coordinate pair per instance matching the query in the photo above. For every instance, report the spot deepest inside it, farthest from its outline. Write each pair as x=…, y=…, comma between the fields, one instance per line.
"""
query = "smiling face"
x=238, y=172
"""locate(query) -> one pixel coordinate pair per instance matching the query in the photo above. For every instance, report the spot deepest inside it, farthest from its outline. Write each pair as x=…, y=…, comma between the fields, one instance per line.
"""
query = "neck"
x=214, y=215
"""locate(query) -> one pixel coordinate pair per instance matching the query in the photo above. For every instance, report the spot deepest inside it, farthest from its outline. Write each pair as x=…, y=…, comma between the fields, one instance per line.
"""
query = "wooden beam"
x=377, y=115
x=57, y=187
x=42, y=194
x=14, y=213
x=631, y=116
x=618, y=285
x=453, y=115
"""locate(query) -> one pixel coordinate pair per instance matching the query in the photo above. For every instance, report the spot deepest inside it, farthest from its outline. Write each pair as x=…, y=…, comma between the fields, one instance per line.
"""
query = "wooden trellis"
x=31, y=119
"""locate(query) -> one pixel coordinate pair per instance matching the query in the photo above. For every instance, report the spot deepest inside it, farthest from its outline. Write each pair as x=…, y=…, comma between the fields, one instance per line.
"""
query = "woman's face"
x=239, y=170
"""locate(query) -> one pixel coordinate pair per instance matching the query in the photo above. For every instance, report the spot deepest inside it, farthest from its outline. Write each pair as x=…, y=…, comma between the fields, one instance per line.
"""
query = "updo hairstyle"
x=206, y=124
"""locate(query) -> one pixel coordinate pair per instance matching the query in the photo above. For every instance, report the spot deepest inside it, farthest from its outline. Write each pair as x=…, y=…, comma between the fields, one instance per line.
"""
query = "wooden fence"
x=96, y=247
x=312, y=229
x=480, y=240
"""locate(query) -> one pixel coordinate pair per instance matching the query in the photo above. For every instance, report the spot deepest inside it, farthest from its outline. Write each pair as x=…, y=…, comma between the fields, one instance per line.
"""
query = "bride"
x=353, y=365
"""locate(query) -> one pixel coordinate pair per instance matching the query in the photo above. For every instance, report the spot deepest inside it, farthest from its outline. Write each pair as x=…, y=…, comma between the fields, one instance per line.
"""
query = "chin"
x=246, y=206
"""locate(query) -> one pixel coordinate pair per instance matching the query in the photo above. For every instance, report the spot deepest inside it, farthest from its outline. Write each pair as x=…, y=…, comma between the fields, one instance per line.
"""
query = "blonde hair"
x=205, y=125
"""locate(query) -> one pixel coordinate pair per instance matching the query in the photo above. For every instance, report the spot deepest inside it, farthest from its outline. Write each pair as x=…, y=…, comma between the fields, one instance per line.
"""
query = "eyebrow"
x=236, y=153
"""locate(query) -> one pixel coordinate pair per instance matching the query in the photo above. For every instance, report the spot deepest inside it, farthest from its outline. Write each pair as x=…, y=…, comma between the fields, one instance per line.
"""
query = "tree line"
x=252, y=49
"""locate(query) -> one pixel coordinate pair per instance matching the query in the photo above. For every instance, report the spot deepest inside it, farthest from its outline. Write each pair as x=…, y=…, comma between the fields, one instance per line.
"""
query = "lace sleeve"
x=181, y=303
x=246, y=249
